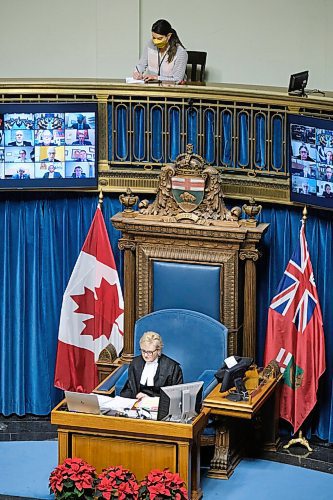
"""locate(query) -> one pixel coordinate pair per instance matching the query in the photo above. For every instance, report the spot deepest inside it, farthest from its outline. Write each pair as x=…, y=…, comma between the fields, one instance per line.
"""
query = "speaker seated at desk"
x=151, y=370
x=196, y=341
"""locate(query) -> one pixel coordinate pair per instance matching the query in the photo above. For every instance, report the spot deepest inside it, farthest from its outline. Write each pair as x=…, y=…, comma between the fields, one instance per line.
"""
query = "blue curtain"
x=277, y=146
x=278, y=245
x=41, y=240
x=192, y=129
x=174, y=133
x=139, y=132
x=209, y=148
x=122, y=138
x=243, y=145
x=227, y=130
x=156, y=120
x=260, y=140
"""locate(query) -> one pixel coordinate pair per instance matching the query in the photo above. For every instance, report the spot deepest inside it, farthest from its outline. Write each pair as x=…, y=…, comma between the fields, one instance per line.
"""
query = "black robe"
x=168, y=373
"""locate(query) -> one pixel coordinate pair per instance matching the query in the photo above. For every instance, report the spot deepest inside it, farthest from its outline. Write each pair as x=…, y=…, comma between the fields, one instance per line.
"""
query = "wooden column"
x=102, y=105
x=249, y=332
x=128, y=246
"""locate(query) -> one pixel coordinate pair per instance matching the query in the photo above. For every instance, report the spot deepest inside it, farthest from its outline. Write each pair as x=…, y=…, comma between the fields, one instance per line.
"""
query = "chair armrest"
x=209, y=381
x=108, y=384
x=121, y=382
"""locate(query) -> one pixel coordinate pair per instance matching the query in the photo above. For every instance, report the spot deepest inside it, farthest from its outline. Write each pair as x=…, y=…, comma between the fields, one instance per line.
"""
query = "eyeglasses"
x=149, y=353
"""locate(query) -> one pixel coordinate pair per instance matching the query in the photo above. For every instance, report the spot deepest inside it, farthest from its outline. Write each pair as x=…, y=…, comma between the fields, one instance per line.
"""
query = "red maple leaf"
x=105, y=310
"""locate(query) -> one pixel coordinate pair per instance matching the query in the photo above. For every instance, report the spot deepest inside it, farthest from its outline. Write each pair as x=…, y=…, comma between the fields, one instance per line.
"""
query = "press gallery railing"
x=241, y=131
x=227, y=135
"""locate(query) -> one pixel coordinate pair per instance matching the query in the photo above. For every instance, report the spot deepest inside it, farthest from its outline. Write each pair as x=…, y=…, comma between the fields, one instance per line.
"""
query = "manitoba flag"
x=295, y=336
x=92, y=312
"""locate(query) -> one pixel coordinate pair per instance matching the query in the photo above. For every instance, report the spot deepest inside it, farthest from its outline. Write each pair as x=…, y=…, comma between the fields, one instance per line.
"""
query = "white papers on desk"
x=117, y=403
x=129, y=79
x=148, y=403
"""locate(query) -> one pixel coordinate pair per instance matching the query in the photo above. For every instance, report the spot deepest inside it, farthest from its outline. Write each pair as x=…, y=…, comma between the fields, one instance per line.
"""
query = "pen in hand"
x=138, y=75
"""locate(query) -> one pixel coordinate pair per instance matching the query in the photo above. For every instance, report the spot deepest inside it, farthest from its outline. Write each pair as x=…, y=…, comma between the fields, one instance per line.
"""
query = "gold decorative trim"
x=228, y=261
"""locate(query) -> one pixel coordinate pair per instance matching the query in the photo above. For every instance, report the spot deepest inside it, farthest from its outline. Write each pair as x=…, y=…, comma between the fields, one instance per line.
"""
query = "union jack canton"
x=297, y=284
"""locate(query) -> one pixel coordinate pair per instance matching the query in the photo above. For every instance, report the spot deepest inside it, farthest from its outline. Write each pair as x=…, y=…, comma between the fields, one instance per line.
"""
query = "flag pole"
x=305, y=214
x=100, y=199
x=300, y=439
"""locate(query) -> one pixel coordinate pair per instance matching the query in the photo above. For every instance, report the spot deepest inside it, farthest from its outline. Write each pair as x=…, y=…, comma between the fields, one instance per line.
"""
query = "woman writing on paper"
x=164, y=57
x=152, y=370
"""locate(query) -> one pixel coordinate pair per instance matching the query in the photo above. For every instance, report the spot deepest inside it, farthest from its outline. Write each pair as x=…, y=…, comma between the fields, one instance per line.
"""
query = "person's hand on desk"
x=140, y=395
x=150, y=78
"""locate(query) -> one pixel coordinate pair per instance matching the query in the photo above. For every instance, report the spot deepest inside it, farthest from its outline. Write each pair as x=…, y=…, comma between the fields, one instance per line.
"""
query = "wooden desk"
x=139, y=445
x=232, y=432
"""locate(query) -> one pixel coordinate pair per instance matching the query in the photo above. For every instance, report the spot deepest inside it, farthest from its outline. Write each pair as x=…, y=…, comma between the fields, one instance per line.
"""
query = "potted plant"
x=162, y=484
x=116, y=483
x=72, y=479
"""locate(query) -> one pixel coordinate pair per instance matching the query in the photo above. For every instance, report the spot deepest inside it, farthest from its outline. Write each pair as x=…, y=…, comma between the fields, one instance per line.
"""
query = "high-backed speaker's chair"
x=196, y=63
x=198, y=342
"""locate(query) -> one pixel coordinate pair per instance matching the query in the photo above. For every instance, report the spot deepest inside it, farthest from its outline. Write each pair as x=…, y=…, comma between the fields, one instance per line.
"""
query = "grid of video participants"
x=47, y=145
x=312, y=161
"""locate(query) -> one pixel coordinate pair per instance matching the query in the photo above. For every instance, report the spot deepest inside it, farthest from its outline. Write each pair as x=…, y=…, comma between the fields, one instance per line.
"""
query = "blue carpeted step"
x=25, y=468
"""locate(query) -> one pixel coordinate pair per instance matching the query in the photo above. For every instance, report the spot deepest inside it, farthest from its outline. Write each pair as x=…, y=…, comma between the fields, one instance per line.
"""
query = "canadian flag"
x=92, y=312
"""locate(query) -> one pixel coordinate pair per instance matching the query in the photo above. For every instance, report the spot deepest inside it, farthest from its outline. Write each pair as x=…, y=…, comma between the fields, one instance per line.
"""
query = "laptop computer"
x=83, y=403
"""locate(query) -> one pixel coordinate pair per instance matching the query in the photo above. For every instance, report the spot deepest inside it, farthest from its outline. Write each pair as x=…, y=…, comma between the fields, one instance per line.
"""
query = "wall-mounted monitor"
x=50, y=146
x=310, y=159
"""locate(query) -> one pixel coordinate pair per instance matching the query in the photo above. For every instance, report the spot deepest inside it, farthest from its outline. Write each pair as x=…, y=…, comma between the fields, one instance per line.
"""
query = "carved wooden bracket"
x=125, y=244
x=249, y=255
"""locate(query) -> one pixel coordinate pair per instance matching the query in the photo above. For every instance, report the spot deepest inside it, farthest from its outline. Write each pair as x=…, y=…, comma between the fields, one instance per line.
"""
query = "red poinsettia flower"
x=73, y=477
x=162, y=484
x=117, y=483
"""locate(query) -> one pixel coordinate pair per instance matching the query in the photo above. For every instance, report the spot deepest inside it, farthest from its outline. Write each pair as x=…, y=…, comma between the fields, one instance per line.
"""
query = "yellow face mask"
x=160, y=44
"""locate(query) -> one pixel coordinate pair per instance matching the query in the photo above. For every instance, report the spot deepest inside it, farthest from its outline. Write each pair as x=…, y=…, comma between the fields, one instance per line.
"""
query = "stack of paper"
x=148, y=403
x=129, y=79
x=117, y=403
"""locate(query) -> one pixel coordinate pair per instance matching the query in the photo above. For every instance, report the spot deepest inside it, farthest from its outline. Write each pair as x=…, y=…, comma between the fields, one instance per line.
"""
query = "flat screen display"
x=180, y=402
x=311, y=160
x=48, y=146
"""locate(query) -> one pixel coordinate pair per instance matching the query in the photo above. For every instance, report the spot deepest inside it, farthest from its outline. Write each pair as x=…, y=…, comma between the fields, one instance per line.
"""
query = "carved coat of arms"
x=190, y=190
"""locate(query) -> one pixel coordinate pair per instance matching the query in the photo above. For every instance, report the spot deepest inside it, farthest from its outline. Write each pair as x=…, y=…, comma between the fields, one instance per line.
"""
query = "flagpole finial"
x=305, y=214
x=100, y=199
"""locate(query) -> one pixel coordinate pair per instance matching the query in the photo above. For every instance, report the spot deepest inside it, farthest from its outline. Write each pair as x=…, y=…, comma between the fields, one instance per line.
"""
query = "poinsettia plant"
x=161, y=484
x=117, y=483
x=72, y=479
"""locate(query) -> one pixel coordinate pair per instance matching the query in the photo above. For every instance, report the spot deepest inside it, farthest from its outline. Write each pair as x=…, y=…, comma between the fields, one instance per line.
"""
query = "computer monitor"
x=298, y=82
x=180, y=403
x=46, y=146
x=310, y=160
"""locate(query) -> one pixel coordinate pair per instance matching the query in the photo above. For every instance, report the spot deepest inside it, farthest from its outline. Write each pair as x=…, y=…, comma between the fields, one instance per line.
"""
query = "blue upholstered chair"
x=197, y=341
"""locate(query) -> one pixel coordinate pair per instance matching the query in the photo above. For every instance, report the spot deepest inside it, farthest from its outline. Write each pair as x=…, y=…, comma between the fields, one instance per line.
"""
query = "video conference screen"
x=311, y=160
x=48, y=146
